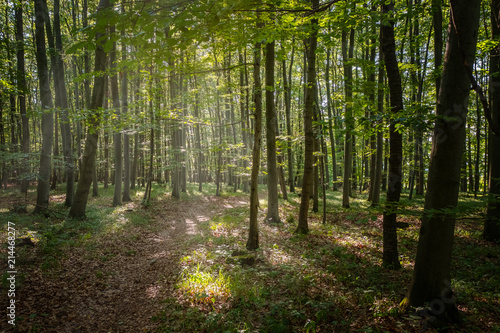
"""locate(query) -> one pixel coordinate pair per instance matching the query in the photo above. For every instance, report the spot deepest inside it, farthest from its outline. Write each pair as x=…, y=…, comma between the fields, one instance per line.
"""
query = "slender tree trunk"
x=55, y=153
x=21, y=87
x=348, y=163
x=42, y=200
x=431, y=277
x=244, y=130
x=117, y=197
x=253, y=234
x=63, y=106
x=310, y=47
x=330, y=121
x=198, y=136
x=272, y=216
x=287, y=87
x=390, y=256
x=89, y=155
x=126, y=140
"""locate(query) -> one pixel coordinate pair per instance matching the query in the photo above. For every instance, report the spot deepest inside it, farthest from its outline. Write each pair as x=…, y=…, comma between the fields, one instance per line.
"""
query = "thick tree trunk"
x=431, y=276
x=492, y=222
x=42, y=200
x=390, y=256
x=272, y=216
x=253, y=234
x=310, y=47
x=89, y=155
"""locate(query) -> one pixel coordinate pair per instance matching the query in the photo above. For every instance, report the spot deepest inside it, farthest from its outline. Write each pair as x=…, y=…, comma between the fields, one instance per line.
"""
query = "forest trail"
x=119, y=283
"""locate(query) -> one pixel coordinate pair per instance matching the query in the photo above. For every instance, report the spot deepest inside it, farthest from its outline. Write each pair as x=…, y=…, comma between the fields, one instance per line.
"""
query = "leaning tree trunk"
x=42, y=200
x=89, y=154
x=390, y=256
x=273, y=216
x=431, y=276
x=492, y=222
x=253, y=234
x=310, y=45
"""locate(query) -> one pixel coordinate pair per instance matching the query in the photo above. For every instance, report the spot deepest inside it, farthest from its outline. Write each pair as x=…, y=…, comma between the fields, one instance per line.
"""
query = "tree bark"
x=330, y=122
x=42, y=200
x=62, y=104
x=431, y=276
x=21, y=87
x=346, y=57
x=89, y=155
x=117, y=197
x=310, y=47
x=253, y=234
x=390, y=256
x=287, y=87
x=272, y=216
x=126, y=140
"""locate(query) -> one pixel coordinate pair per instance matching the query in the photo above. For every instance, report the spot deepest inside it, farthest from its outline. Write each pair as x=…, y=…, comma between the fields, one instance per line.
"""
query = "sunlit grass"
x=205, y=286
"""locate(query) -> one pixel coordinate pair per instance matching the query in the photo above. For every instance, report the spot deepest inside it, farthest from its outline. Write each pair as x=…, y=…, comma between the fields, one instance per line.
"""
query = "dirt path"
x=117, y=284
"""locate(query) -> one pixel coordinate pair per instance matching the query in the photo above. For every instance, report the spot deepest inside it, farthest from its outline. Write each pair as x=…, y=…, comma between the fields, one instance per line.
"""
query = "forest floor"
x=181, y=266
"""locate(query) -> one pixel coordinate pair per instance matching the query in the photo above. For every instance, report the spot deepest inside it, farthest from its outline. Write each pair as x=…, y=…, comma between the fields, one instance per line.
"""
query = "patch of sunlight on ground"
x=162, y=254
x=190, y=227
x=277, y=256
x=4, y=210
x=118, y=218
x=153, y=291
x=363, y=242
x=208, y=287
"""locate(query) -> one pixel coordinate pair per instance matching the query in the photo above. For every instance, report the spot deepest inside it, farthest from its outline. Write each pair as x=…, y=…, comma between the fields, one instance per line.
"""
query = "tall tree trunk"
x=380, y=133
x=330, y=121
x=272, y=216
x=62, y=104
x=492, y=222
x=117, y=197
x=42, y=200
x=431, y=275
x=346, y=57
x=89, y=155
x=310, y=47
x=21, y=87
x=244, y=130
x=126, y=140
x=287, y=87
x=253, y=233
x=198, y=136
x=390, y=256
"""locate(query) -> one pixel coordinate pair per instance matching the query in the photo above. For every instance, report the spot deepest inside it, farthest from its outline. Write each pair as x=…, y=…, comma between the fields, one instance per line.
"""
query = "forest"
x=250, y=166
